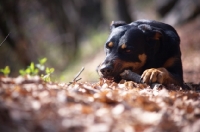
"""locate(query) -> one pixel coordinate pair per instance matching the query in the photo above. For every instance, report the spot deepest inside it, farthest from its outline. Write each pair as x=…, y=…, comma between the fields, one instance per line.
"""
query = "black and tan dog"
x=148, y=48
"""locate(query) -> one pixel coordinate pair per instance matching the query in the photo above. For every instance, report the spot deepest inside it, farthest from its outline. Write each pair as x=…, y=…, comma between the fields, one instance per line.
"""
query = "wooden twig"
x=4, y=39
x=75, y=78
x=129, y=75
x=132, y=76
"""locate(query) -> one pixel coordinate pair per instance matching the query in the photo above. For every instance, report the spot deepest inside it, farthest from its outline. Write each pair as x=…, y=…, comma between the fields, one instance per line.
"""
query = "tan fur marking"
x=170, y=62
x=110, y=44
x=142, y=58
x=123, y=46
x=136, y=66
x=157, y=36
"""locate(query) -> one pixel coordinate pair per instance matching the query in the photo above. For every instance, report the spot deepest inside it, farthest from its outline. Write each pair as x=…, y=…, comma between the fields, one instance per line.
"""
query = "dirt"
x=190, y=47
x=29, y=104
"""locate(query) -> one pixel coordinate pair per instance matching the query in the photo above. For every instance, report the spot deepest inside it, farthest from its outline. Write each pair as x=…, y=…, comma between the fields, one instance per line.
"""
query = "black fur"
x=157, y=43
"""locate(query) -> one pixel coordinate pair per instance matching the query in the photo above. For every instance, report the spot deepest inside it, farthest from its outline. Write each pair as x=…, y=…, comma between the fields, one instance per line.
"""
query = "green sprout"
x=35, y=69
x=41, y=66
x=30, y=70
x=48, y=72
x=5, y=71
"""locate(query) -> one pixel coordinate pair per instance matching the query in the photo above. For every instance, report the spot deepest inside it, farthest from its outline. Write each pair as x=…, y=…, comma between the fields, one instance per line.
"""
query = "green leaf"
x=42, y=61
x=5, y=71
x=46, y=77
x=28, y=71
x=51, y=70
x=32, y=67
x=47, y=70
x=35, y=72
x=22, y=72
x=40, y=67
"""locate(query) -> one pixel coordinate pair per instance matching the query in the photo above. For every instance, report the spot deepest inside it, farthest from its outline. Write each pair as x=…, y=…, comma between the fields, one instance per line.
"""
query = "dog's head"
x=125, y=49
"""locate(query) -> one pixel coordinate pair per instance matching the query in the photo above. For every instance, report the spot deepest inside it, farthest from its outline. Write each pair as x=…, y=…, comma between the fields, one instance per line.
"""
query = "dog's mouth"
x=116, y=75
x=109, y=77
x=116, y=79
x=113, y=72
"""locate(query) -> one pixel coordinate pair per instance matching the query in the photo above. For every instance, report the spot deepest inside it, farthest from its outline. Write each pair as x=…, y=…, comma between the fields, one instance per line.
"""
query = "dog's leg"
x=158, y=75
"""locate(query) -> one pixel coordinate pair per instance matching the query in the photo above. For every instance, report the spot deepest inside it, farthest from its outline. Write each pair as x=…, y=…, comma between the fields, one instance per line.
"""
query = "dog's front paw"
x=153, y=75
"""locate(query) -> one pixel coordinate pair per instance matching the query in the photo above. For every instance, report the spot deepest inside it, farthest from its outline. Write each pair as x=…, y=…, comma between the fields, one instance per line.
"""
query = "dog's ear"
x=154, y=37
x=151, y=32
x=115, y=24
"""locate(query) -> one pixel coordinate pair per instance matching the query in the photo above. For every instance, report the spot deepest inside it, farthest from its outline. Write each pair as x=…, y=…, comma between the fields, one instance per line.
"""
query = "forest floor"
x=190, y=47
x=29, y=104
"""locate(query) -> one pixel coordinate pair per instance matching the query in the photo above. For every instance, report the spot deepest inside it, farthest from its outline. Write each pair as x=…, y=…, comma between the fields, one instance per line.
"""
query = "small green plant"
x=48, y=72
x=41, y=66
x=30, y=70
x=35, y=69
x=5, y=71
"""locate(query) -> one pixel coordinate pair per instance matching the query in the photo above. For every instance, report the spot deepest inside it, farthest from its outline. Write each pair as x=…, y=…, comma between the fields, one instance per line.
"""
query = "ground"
x=30, y=104
x=190, y=46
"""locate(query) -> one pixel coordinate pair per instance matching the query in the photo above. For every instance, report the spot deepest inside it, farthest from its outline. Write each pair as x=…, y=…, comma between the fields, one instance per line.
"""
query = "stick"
x=4, y=39
x=132, y=76
x=129, y=75
x=78, y=74
x=75, y=78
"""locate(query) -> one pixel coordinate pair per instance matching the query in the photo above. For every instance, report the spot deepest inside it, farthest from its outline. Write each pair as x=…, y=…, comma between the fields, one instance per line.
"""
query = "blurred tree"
x=123, y=11
x=66, y=17
x=114, y=10
x=10, y=23
x=70, y=19
x=178, y=11
x=164, y=6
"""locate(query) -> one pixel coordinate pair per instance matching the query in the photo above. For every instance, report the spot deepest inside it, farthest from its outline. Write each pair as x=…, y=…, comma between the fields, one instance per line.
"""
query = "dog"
x=146, y=47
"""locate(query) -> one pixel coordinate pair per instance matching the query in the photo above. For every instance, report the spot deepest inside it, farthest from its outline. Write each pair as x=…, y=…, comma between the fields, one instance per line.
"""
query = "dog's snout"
x=106, y=70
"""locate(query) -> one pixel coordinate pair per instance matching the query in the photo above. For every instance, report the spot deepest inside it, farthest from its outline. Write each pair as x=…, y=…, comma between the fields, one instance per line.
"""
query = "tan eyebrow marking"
x=110, y=44
x=157, y=36
x=123, y=46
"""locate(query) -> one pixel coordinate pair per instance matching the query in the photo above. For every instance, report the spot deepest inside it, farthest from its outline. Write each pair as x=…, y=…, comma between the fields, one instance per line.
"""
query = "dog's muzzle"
x=106, y=70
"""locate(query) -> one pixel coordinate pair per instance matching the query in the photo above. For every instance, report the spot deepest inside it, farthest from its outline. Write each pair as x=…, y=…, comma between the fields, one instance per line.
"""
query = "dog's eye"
x=127, y=50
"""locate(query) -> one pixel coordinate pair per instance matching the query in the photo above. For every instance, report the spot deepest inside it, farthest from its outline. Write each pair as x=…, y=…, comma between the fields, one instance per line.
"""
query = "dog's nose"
x=106, y=70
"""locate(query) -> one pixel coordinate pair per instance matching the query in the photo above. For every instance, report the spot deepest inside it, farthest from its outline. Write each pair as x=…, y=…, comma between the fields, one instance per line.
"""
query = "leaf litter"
x=30, y=104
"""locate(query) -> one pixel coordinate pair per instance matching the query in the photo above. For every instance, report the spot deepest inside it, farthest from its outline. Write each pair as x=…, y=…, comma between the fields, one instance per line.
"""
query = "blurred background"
x=71, y=33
